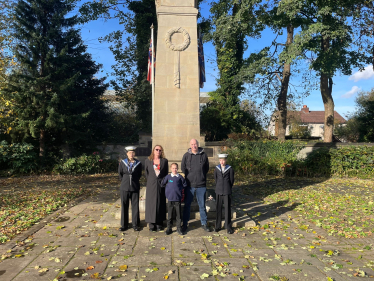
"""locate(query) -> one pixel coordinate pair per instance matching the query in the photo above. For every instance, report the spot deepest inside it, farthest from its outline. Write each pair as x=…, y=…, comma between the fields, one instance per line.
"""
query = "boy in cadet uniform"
x=224, y=177
x=175, y=184
x=130, y=171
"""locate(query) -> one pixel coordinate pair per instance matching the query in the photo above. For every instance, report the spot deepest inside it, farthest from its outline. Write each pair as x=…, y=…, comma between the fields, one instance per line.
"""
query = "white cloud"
x=350, y=93
x=363, y=75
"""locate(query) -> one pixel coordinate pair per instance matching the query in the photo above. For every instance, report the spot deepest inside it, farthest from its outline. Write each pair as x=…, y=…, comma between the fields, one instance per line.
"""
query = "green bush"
x=353, y=161
x=280, y=158
x=18, y=158
x=85, y=164
x=266, y=157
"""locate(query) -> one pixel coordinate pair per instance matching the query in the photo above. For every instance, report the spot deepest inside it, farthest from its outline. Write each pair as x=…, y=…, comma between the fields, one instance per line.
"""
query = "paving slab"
x=295, y=273
x=58, y=257
x=11, y=267
x=37, y=274
x=194, y=273
x=185, y=246
x=114, y=271
x=151, y=273
x=235, y=268
x=153, y=245
x=142, y=260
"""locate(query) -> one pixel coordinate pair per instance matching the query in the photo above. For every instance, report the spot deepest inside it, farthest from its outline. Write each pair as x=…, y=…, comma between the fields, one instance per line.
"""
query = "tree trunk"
x=328, y=102
x=282, y=98
x=42, y=144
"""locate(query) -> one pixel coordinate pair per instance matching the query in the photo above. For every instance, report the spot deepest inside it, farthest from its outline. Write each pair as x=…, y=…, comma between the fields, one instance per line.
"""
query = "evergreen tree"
x=56, y=96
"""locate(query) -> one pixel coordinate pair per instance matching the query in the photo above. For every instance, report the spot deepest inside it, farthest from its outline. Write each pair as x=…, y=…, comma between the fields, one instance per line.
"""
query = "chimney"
x=305, y=109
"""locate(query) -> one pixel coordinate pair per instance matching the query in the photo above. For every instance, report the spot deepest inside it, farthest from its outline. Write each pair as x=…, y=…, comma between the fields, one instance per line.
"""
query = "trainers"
x=205, y=227
x=169, y=231
x=180, y=231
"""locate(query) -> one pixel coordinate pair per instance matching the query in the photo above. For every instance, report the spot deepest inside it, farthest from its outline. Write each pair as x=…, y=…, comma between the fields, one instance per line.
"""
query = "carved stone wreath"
x=180, y=47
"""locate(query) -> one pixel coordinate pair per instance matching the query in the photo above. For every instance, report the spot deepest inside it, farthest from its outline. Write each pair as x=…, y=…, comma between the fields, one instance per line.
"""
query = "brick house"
x=313, y=119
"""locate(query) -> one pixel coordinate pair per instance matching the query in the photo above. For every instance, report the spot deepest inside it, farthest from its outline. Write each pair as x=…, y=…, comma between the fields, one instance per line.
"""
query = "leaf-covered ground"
x=343, y=207
x=27, y=200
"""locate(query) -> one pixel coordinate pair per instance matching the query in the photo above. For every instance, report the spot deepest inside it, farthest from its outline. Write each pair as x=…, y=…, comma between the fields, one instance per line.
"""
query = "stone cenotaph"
x=176, y=117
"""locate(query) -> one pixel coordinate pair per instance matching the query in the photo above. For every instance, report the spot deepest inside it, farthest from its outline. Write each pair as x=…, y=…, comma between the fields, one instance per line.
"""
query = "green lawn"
x=343, y=207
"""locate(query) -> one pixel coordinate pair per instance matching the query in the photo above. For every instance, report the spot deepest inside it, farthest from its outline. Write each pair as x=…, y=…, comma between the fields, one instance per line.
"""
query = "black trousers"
x=177, y=206
x=126, y=196
x=220, y=201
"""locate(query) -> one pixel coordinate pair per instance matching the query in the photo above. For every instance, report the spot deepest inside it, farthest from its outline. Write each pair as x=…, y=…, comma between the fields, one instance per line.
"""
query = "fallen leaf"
x=123, y=267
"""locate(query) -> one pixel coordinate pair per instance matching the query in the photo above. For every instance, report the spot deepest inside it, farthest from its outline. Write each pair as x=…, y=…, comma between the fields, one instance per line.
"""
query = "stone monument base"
x=112, y=217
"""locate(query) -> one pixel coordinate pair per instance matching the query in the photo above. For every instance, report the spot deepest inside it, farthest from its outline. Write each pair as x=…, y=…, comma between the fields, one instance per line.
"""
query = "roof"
x=313, y=117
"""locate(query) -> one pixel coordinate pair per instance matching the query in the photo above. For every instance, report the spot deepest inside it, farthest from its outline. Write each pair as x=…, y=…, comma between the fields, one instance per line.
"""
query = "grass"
x=27, y=200
x=343, y=207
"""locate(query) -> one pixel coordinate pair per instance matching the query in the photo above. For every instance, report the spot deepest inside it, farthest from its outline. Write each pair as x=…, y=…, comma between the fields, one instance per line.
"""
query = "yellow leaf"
x=166, y=277
x=123, y=267
x=104, y=227
x=162, y=248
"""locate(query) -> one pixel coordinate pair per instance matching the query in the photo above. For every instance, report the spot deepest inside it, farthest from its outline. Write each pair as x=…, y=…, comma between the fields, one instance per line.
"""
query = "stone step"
x=112, y=217
x=193, y=215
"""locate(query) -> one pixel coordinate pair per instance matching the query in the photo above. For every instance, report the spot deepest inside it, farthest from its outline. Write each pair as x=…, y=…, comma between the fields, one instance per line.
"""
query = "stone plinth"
x=176, y=105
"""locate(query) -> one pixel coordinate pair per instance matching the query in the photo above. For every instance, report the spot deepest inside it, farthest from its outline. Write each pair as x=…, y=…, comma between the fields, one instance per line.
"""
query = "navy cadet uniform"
x=129, y=175
x=224, y=181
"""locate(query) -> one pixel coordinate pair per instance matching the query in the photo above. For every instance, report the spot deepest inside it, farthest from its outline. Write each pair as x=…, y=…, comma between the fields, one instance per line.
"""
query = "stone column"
x=177, y=105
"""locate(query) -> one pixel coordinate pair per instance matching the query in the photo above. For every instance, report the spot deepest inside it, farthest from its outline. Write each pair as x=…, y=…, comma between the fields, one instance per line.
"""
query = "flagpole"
x=153, y=79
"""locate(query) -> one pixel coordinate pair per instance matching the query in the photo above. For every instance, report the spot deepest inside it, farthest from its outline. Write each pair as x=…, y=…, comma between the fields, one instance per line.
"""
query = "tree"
x=6, y=62
x=365, y=115
x=327, y=37
x=231, y=23
x=56, y=96
x=131, y=66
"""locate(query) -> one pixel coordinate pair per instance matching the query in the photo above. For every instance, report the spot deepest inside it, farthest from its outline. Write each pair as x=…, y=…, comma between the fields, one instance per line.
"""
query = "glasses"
x=158, y=149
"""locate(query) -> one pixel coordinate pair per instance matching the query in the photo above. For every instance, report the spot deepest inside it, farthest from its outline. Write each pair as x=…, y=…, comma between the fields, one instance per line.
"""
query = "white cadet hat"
x=222, y=155
x=130, y=148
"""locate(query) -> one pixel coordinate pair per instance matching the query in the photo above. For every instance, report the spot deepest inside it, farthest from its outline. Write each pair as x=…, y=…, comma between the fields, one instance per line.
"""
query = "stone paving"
x=72, y=247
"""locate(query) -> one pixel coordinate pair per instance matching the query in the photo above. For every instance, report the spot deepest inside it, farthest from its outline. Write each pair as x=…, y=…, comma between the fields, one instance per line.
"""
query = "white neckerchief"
x=172, y=175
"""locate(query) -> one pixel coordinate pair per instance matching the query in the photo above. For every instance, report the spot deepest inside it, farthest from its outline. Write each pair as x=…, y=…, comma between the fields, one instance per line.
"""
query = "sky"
x=345, y=88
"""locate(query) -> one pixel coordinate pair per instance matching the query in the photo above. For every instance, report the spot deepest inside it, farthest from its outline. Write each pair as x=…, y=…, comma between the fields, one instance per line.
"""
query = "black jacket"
x=130, y=178
x=225, y=180
x=195, y=167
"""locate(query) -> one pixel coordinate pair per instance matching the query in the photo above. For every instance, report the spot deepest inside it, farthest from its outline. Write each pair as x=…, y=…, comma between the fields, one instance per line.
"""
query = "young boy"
x=175, y=183
x=130, y=171
x=224, y=177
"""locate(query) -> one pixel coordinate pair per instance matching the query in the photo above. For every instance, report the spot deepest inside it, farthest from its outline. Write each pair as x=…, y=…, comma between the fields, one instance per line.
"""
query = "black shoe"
x=169, y=231
x=217, y=229
x=136, y=228
x=123, y=228
x=180, y=231
x=230, y=231
x=184, y=229
x=159, y=227
x=205, y=227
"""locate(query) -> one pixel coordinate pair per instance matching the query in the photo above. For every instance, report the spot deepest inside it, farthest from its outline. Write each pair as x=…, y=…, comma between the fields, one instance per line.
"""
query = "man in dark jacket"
x=195, y=166
x=224, y=178
x=130, y=171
